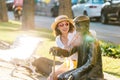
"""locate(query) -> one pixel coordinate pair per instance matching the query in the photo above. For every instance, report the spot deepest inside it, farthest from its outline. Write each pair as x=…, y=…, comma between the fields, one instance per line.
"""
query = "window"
x=98, y=1
x=81, y=1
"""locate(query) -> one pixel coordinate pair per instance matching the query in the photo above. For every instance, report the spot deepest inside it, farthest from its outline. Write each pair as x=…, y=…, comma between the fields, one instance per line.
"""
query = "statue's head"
x=82, y=23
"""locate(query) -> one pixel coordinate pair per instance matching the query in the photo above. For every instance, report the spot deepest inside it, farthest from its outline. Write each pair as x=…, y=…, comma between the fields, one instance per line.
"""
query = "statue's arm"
x=62, y=52
x=78, y=72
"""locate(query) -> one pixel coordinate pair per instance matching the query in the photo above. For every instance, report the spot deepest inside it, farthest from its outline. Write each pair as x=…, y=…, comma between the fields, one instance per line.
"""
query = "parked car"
x=91, y=8
x=9, y=4
x=55, y=9
x=110, y=11
x=41, y=8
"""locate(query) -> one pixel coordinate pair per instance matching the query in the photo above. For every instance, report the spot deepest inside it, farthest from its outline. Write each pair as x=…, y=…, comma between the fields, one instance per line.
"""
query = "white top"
x=70, y=37
x=61, y=45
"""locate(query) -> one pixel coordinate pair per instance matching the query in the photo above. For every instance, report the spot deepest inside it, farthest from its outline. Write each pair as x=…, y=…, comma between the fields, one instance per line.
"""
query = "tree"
x=3, y=11
x=65, y=8
x=28, y=14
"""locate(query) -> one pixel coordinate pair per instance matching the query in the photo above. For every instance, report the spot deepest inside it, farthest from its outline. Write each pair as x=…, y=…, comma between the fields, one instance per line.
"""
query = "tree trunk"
x=28, y=14
x=65, y=8
x=3, y=11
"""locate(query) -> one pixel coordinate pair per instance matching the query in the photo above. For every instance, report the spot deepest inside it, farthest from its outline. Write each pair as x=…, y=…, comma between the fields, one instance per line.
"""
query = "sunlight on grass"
x=8, y=31
x=43, y=49
x=15, y=22
x=111, y=65
x=8, y=26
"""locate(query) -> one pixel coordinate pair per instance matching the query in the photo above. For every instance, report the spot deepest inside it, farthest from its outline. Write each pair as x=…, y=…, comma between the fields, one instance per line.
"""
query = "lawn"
x=9, y=31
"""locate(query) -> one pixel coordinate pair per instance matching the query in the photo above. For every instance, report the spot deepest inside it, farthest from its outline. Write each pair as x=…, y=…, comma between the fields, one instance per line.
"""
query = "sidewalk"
x=23, y=74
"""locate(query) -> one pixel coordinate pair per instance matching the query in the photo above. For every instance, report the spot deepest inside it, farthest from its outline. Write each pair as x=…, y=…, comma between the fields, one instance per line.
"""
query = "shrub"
x=110, y=49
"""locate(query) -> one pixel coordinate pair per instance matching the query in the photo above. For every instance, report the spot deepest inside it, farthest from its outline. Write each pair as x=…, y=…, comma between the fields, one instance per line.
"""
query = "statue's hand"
x=65, y=77
x=70, y=77
x=53, y=51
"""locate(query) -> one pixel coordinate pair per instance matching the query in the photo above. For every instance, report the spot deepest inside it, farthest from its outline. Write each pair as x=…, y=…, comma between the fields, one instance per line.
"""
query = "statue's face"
x=82, y=26
x=77, y=24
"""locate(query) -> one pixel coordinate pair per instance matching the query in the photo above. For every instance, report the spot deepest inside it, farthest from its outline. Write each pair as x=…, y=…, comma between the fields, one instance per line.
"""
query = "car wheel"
x=85, y=13
x=73, y=14
x=98, y=19
x=52, y=13
x=104, y=19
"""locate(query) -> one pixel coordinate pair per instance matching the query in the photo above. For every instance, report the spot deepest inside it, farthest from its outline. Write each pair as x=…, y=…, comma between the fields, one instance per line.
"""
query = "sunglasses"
x=63, y=24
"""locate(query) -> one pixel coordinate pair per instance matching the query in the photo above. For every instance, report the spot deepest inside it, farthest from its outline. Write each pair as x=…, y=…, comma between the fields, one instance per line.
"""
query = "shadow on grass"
x=7, y=30
x=14, y=28
x=7, y=26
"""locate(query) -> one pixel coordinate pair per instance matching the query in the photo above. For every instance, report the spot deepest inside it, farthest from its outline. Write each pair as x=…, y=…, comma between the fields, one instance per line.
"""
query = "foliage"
x=110, y=49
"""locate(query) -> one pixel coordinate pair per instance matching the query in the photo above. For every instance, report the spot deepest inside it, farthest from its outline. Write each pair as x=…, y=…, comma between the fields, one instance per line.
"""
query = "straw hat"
x=60, y=19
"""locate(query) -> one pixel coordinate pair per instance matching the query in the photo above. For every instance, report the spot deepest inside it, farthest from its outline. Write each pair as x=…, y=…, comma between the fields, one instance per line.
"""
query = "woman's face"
x=63, y=27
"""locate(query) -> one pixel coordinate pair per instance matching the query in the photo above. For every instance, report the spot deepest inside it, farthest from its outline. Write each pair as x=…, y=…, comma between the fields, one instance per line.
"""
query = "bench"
x=21, y=52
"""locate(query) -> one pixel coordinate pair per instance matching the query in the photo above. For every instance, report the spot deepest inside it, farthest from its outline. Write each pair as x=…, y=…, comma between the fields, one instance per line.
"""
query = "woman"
x=66, y=38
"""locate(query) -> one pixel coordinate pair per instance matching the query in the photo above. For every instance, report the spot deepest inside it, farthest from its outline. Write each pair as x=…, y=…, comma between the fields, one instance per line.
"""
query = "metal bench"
x=21, y=52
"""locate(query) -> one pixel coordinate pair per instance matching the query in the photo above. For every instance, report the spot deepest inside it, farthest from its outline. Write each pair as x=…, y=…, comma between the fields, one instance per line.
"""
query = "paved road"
x=109, y=32
x=23, y=74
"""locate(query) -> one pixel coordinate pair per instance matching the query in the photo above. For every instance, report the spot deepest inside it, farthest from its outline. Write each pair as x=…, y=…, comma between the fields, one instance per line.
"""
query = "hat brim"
x=54, y=25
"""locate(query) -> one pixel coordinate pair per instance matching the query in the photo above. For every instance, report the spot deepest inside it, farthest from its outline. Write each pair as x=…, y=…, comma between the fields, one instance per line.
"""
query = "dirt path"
x=23, y=74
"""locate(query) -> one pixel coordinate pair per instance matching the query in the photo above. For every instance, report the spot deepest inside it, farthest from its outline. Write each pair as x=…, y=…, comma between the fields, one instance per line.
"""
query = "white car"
x=91, y=8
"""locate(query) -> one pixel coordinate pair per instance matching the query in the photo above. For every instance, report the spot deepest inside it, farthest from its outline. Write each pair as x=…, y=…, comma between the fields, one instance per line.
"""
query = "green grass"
x=9, y=31
x=111, y=66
